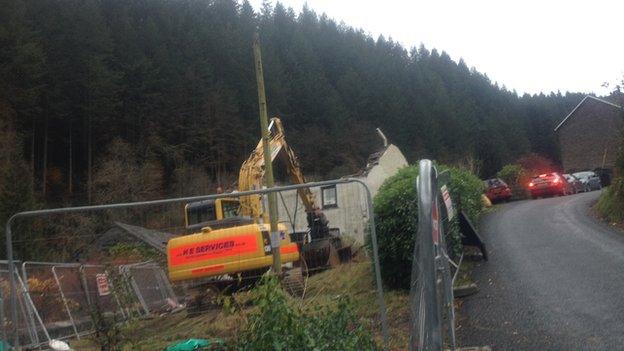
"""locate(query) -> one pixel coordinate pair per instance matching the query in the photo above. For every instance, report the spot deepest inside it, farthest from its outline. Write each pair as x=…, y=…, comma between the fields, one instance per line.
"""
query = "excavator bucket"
x=316, y=254
x=325, y=253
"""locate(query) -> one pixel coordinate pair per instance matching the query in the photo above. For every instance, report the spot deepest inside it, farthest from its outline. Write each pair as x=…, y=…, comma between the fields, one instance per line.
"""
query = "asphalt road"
x=555, y=279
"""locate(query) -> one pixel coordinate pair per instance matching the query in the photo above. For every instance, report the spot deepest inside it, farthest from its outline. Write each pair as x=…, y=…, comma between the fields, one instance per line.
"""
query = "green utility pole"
x=268, y=174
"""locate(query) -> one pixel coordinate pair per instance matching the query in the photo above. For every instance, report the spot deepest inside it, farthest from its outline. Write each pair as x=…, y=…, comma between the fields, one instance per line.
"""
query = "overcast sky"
x=530, y=45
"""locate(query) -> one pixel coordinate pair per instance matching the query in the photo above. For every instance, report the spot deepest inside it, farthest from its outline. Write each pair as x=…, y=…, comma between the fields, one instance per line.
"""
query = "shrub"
x=610, y=206
x=466, y=191
x=277, y=325
x=516, y=177
x=396, y=219
x=396, y=223
x=511, y=173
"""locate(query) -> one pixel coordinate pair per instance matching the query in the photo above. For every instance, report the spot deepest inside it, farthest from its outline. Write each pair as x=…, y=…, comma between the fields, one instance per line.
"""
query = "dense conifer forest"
x=111, y=100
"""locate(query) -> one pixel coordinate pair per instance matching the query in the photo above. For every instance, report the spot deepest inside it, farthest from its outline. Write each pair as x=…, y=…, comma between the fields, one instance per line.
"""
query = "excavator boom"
x=252, y=172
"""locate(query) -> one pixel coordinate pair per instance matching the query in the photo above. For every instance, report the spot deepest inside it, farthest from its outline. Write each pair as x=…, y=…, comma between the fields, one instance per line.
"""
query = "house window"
x=329, y=196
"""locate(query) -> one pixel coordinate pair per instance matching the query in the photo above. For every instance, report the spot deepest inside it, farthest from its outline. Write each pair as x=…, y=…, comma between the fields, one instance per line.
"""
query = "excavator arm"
x=252, y=172
x=320, y=247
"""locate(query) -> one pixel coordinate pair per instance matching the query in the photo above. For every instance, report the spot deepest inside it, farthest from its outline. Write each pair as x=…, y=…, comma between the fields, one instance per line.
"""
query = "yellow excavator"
x=231, y=236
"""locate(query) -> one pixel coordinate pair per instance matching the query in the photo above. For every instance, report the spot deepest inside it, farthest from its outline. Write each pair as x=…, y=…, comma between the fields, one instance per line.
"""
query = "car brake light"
x=556, y=180
x=531, y=184
x=543, y=175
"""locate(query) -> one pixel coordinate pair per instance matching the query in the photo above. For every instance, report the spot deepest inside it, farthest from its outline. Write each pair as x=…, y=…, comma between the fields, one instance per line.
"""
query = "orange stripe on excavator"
x=290, y=248
x=211, y=249
x=218, y=269
x=209, y=269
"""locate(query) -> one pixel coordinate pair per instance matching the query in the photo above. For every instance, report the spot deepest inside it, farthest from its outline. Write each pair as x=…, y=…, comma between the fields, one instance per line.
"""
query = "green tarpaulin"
x=193, y=344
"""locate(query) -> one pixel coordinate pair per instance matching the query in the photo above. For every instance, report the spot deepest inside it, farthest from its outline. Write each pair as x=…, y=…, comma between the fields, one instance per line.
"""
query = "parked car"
x=576, y=184
x=549, y=184
x=497, y=190
x=590, y=180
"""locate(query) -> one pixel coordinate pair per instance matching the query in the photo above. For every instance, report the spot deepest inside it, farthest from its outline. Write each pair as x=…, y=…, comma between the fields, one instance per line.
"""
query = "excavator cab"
x=219, y=213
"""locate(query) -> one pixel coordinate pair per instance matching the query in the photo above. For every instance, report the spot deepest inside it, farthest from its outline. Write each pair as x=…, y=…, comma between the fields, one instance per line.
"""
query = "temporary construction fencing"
x=432, y=319
x=63, y=294
x=23, y=324
x=151, y=287
x=58, y=300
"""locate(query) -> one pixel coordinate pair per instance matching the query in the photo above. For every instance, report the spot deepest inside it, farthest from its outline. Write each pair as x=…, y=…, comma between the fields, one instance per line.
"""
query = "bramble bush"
x=396, y=219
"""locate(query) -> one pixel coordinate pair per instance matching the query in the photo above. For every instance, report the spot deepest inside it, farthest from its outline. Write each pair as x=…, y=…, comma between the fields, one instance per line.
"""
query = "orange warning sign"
x=211, y=249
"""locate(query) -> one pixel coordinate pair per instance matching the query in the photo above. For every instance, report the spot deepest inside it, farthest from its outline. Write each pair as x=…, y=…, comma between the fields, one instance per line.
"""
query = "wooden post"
x=264, y=126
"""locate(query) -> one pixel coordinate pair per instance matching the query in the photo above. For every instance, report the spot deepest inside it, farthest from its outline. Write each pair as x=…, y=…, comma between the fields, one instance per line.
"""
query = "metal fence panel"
x=101, y=292
x=152, y=287
x=64, y=297
x=431, y=295
x=30, y=329
x=346, y=203
x=75, y=302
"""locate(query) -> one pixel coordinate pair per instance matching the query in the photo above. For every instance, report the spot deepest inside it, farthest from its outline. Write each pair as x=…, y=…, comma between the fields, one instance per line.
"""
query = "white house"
x=345, y=204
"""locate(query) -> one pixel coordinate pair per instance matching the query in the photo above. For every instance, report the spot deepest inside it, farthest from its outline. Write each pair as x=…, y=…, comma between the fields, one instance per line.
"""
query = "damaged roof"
x=373, y=160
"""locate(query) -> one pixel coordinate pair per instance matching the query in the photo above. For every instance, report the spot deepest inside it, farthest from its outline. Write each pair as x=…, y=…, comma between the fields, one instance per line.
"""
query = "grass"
x=464, y=277
x=354, y=279
x=610, y=205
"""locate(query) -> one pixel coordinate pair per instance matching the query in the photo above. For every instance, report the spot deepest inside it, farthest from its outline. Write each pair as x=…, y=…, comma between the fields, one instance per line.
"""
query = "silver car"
x=589, y=179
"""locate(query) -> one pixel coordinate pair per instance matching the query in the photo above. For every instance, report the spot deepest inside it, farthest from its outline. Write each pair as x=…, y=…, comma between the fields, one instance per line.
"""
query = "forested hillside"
x=109, y=100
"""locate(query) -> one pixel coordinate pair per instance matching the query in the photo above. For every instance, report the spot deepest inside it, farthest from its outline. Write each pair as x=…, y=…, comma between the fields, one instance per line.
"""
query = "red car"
x=549, y=184
x=497, y=190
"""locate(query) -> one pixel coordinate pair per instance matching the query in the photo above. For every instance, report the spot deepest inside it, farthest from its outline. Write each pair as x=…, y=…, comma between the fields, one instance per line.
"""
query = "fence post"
x=28, y=302
x=431, y=296
x=31, y=312
x=12, y=284
x=71, y=318
x=4, y=333
x=30, y=317
x=380, y=295
x=85, y=285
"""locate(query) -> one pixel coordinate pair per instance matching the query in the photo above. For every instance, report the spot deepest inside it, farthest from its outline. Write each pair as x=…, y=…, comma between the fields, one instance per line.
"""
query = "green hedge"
x=396, y=219
x=466, y=189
